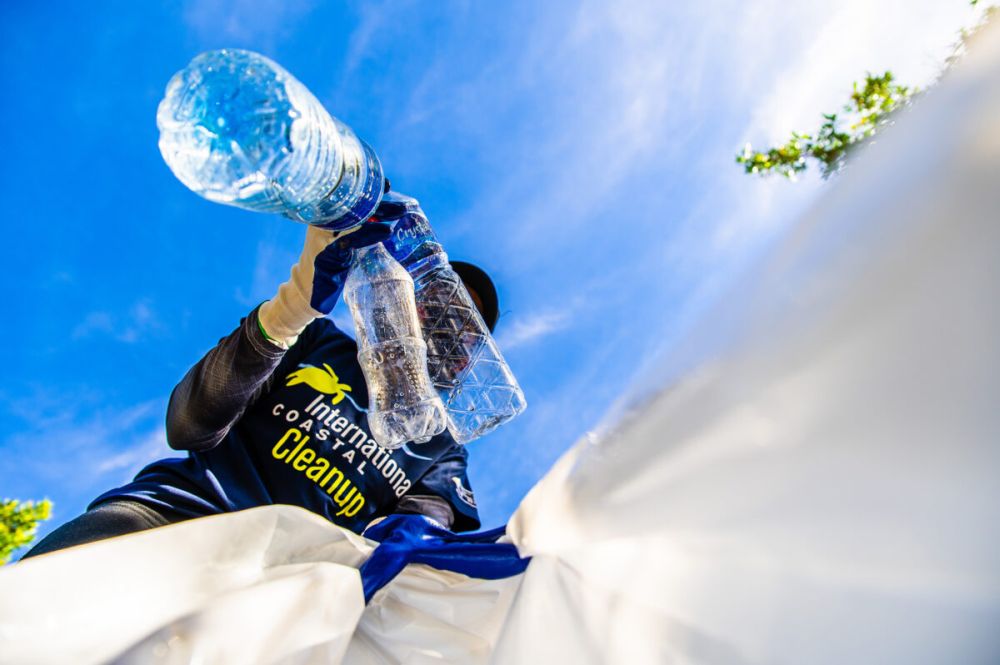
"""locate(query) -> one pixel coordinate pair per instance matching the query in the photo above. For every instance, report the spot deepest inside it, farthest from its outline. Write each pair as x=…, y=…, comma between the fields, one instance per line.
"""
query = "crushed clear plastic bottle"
x=402, y=403
x=476, y=384
x=236, y=128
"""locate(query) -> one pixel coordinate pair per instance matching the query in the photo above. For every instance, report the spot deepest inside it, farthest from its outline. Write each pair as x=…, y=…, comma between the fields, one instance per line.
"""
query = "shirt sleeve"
x=215, y=393
x=443, y=493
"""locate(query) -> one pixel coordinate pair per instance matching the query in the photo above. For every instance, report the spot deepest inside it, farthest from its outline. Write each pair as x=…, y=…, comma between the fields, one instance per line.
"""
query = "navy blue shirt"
x=266, y=426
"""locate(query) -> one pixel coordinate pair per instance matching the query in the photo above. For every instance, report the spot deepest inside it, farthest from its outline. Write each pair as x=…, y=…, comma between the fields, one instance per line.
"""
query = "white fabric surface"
x=272, y=581
x=276, y=584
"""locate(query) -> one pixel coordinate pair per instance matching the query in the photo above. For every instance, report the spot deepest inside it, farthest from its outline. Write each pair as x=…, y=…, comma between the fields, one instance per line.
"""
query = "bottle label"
x=412, y=229
x=413, y=241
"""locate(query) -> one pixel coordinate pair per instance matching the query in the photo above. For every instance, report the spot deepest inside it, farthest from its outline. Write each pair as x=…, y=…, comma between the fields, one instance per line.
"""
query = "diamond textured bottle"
x=470, y=374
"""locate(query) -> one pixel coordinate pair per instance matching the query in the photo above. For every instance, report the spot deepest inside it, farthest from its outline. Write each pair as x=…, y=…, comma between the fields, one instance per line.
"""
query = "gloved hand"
x=317, y=280
x=405, y=539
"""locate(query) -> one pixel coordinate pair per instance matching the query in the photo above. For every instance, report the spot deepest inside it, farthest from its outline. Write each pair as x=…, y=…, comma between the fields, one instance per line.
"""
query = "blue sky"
x=581, y=152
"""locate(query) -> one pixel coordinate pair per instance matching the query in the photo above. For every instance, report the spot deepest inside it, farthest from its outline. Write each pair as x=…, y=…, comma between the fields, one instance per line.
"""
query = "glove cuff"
x=284, y=317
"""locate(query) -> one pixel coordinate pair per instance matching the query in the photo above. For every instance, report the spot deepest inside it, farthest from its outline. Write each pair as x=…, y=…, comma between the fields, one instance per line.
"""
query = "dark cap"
x=477, y=280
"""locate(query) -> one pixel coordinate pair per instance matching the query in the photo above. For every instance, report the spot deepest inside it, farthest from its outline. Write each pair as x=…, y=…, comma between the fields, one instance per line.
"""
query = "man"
x=275, y=413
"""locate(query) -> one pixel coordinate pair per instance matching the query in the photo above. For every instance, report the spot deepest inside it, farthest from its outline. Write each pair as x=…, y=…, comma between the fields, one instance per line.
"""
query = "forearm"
x=214, y=393
x=427, y=505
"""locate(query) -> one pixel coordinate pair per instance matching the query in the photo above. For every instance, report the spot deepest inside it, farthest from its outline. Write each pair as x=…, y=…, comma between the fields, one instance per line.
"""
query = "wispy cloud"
x=584, y=149
x=272, y=266
x=522, y=330
x=363, y=39
x=139, y=321
x=845, y=40
x=94, y=322
x=75, y=448
x=615, y=173
x=150, y=447
x=248, y=23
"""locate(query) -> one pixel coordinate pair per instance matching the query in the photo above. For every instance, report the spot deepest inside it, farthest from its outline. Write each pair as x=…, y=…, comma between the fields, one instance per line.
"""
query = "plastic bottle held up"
x=402, y=403
x=476, y=384
x=236, y=128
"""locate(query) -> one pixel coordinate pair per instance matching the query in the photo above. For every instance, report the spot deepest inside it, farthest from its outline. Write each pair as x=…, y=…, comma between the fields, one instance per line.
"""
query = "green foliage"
x=872, y=104
x=18, y=521
x=871, y=108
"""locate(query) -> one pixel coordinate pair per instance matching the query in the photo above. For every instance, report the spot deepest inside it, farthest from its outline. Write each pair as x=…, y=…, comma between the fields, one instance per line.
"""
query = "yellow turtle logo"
x=323, y=381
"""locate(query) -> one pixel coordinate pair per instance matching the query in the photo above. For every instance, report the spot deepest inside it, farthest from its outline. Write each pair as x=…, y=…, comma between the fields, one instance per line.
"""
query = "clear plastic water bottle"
x=402, y=404
x=470, y=374
x=236, y=128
